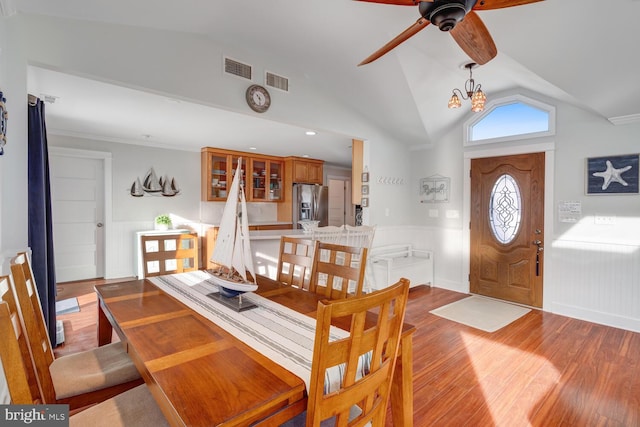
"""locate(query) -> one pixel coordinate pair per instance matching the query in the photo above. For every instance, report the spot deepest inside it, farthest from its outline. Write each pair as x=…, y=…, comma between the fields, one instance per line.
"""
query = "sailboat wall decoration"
x=232, y=251
x=151, y=185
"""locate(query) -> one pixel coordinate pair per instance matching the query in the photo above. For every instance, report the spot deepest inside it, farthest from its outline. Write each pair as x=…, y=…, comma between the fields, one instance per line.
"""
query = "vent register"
x=245, y=71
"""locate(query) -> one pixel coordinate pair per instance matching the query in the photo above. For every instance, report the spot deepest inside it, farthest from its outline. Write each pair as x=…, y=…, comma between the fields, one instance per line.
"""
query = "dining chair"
x=169, y=253
x=361, y=236
x=295, y=261
x=132, y=408
x=78, y=379
x=334, y=274
x=329, y=233
x=367, y=357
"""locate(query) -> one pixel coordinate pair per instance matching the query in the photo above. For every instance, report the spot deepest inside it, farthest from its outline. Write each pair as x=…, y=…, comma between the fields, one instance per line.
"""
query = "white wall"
x=13, y=173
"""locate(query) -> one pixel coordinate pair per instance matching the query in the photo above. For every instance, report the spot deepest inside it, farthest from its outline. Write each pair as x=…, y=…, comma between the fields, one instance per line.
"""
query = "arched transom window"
x=510, y=118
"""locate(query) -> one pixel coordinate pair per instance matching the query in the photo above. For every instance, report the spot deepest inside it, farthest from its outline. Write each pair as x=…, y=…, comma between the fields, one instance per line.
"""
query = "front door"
x=507, y=227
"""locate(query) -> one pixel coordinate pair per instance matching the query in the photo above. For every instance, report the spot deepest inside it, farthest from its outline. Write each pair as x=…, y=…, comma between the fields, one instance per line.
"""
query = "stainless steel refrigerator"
x=310, y=202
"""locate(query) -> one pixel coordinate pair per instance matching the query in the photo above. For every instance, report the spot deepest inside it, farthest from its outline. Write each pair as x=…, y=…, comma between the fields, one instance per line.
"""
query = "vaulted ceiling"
x=571, y=50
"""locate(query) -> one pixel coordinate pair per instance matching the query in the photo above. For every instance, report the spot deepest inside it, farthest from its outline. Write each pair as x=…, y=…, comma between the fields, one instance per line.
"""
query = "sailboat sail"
x=232, y=249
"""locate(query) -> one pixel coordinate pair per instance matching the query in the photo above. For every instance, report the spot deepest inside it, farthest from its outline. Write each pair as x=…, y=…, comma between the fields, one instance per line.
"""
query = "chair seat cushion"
x=133, y=408
x=301, y=419
x=92, y=370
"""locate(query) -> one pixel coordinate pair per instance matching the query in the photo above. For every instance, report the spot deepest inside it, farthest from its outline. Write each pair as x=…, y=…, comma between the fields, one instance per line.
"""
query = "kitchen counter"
x=265, y=246
x=275, y=234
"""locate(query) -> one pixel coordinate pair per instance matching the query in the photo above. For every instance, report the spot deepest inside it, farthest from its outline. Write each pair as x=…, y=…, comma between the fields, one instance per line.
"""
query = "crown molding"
x=625, y=120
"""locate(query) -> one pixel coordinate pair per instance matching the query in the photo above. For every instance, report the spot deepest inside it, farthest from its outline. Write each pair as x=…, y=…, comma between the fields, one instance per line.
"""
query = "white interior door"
x=339, y=210
x=77, y=193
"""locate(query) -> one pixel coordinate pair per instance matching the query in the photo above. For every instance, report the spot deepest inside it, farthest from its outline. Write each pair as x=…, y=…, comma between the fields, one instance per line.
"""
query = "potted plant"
x=163, y=222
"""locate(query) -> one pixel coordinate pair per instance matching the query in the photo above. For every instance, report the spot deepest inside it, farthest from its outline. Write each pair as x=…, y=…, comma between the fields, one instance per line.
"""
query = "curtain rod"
x=33, y=100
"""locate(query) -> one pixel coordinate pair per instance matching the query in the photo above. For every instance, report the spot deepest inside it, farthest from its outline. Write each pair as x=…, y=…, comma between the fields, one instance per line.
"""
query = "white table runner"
x=278, y=332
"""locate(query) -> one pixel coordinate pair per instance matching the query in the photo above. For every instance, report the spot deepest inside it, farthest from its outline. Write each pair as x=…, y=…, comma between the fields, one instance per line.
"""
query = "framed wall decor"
x=612, y=174
x=3, y=122
x=365, y=190
x=365, y=176
x=435, y=189
x=365, y=202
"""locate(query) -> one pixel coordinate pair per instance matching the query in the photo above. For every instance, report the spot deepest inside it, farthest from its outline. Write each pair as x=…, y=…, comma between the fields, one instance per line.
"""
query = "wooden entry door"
x=507, y=227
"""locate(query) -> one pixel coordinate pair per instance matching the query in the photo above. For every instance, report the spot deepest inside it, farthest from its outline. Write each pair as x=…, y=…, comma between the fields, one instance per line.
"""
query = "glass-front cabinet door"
x=219, y=167
x=217, y=181
x=276, y=171
x=243, y=170
x=266, y=179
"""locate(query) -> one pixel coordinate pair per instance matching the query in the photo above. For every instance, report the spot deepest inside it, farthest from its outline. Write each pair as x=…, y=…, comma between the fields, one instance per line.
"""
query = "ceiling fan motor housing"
x=445, y=14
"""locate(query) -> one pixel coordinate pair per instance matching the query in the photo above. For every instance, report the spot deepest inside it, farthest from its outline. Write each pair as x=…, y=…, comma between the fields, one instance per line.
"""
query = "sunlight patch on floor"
x=512, y=381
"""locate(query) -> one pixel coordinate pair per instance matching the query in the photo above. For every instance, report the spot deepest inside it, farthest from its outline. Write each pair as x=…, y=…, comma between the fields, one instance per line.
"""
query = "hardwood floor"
x=541, y=370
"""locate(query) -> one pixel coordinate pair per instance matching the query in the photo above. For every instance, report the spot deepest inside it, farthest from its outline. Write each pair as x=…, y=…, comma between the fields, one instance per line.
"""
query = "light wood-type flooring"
x=541, y=370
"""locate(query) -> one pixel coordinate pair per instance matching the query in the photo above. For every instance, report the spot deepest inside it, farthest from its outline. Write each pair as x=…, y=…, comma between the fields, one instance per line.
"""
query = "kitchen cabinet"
x=217, y=170
x=266, y=179
x=263, y=183
x=307, y=171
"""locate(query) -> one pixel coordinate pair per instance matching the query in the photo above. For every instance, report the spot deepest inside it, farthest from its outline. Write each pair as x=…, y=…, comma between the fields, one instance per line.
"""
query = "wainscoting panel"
x=121, y=248
x=599, y=282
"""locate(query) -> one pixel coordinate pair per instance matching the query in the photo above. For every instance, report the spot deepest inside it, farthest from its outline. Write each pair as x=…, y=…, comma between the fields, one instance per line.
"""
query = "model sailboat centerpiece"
x=232, y=252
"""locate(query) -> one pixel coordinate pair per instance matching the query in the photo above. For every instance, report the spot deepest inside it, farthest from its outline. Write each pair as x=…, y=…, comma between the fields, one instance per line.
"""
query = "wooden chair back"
x=365, y=388
x=169, y=253
x=15, y=354
x=295, y=261
x=26, y=292
x=13, y=364
x=328, y=234
x=338, y=271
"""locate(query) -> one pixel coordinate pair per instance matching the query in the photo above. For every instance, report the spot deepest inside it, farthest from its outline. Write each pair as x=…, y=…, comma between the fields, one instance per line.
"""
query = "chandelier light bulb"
x=477, y=101
x=454, y=102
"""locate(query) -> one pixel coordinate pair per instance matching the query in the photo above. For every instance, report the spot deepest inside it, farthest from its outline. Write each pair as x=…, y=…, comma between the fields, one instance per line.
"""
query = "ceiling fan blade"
x=419, y=25
x=473, y=37
x=500, y=4
x=397, y=2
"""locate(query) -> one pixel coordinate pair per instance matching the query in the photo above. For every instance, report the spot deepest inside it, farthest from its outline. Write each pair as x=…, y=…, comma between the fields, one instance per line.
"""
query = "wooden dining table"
x=201, y=375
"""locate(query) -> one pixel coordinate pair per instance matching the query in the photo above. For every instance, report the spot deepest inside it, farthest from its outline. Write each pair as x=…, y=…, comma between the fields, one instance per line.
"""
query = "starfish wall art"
x=613, y=174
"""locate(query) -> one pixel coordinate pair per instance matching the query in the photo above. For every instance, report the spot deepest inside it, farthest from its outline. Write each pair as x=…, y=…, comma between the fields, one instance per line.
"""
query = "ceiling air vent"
x=237, y=68
x=277, y=81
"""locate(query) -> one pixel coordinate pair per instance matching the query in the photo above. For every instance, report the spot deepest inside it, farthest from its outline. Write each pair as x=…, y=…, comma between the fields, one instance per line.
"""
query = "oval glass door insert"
x=505, y=209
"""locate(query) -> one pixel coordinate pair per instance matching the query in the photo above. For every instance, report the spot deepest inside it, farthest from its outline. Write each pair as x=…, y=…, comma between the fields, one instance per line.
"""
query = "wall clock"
x=258, y=98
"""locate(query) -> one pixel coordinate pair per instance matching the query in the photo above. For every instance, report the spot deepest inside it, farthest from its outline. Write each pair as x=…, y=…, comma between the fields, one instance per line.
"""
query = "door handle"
x=538, y=243
x=99, y=225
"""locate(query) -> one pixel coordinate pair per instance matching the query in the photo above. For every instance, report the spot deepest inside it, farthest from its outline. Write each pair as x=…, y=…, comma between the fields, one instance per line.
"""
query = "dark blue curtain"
x=40, y=220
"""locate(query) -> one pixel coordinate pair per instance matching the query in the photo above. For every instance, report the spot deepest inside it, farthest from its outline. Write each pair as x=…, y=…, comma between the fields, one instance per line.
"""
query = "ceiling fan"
x=458, y=17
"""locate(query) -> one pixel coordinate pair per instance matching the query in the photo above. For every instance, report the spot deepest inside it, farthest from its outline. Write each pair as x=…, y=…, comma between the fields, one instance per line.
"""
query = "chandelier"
x=471, y=91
